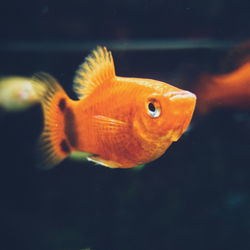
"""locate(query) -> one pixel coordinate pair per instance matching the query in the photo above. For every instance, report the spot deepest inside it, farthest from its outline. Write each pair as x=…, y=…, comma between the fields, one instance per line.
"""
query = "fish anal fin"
x=79, y=156
x=102, y=162
x=98, y=69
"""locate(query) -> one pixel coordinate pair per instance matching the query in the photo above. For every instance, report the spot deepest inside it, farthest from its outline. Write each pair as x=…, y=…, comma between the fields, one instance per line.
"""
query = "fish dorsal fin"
x=97, y=69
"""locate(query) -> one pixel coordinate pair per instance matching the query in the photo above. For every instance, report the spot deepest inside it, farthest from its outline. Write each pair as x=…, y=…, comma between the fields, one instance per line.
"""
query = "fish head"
x=166, y=114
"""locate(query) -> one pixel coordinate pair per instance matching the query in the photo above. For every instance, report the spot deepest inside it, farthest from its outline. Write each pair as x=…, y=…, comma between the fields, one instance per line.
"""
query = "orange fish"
x=227, y=90
x=119, y=122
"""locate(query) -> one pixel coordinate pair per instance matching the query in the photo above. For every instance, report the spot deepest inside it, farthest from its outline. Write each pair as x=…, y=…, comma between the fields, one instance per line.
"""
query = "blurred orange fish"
x=119, y=122
x=227, y=90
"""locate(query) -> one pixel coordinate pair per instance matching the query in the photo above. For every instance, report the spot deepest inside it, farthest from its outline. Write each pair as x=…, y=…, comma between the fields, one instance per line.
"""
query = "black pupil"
x=151, y=107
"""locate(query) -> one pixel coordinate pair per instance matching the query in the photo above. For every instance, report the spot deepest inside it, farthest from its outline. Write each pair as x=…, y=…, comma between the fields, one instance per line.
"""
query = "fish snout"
x=181, y=96
x=180, y=111
x=181, y=101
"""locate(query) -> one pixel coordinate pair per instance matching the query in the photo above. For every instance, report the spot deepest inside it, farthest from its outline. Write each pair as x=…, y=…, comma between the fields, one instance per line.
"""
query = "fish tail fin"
x=53, y=146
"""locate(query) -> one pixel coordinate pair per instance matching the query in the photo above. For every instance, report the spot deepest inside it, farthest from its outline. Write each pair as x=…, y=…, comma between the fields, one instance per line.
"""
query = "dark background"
x=196, y=196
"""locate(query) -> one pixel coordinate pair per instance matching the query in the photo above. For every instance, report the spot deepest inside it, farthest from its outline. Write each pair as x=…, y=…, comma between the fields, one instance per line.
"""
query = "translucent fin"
x=99, y=161
x=80, y=156
x=53, y=144
x=97, y=69
x=139, y=168
x=108, y=125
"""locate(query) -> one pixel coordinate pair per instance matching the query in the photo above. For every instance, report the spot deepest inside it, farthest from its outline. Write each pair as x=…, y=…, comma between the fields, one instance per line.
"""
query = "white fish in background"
x=16, y=93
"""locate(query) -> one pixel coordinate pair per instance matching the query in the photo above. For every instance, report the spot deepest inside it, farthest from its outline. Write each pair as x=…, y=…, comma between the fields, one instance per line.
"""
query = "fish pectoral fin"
x=80, y=156
x=114, y=134
x=110, y=125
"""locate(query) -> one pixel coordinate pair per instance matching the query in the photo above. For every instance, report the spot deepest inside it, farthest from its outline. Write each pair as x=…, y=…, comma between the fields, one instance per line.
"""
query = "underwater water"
x=196, y=196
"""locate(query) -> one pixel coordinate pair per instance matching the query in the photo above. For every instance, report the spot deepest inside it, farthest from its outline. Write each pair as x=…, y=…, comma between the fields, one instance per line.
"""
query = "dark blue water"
x=196, y=196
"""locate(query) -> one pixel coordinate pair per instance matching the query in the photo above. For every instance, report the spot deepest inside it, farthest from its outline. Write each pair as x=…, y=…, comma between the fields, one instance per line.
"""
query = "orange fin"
x=98, y=69
x=113, y=130
x=54, y=144
x=114, y=133
x=108, y=124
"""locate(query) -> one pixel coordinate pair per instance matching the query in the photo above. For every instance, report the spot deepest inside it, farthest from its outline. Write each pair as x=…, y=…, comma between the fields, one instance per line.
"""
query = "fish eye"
x=153, y=108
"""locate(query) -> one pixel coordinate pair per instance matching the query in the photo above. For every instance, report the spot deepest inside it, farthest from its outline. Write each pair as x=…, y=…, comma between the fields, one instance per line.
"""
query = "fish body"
x=119, y=121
